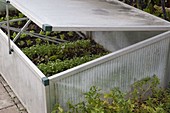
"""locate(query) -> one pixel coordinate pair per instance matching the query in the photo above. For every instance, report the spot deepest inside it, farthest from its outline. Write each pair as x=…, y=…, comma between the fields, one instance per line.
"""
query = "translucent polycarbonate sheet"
x=88, y=15
x=3, y=6
x=116, y=40
x=23, y=77
x=120, y=71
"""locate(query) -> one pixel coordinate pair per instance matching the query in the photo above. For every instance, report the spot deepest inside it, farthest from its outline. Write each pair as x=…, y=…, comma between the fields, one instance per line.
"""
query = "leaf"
x=60, y=109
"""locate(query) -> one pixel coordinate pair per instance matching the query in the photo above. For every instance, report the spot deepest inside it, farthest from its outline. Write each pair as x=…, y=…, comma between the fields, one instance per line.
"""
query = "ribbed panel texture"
x=119, y=72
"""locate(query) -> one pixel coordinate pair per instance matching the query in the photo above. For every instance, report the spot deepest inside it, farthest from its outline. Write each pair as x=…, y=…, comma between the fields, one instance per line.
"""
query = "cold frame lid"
x=88, y=15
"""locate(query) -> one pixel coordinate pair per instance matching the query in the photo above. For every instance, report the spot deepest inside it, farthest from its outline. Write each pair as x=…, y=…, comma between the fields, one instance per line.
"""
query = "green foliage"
x=158, y=12
x=32, y=31
x=154, y=7
x=14, y=35
x=47, y=33
x=23, y=35
x=117, y=102
x=38, y=41
x=20, y=15
x=57, y=66
x=52, y=59
x=29, y=42
x=144, y=86
x=2, y=19
x=62, y=36
x=11, y=23
x=19, y=23
x=21, y=43
x=57, y=32
x=70, y=33
x=42, y=32
x=43, y=53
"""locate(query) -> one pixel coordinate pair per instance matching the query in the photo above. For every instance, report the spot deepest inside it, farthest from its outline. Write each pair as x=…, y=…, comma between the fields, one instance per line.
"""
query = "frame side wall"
x=23, y=77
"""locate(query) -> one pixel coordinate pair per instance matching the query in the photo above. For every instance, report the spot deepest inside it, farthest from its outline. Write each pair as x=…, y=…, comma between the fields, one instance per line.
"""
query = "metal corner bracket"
x=45, y=81
x=47, y=27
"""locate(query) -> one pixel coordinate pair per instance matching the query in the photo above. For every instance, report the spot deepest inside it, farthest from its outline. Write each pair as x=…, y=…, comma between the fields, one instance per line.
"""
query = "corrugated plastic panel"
x=120, y=72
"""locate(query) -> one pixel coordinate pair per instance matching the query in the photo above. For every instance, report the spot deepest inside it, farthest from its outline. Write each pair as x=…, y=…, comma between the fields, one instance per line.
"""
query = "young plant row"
x=146, y=97
x=26, y=40
x=57, y=66
x=51, y=52
x=15, y=15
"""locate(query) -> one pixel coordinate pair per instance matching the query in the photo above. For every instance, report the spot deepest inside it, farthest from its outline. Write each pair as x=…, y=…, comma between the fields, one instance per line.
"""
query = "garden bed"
x=135, y=55
x=52, y=57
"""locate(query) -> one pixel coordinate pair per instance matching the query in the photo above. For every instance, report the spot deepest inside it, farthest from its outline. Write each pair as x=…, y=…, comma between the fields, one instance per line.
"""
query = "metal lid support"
x=8, y=30
x=24, y=27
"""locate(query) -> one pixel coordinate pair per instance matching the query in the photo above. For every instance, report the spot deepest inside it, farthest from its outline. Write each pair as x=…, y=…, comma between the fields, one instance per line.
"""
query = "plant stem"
x=163, y=9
